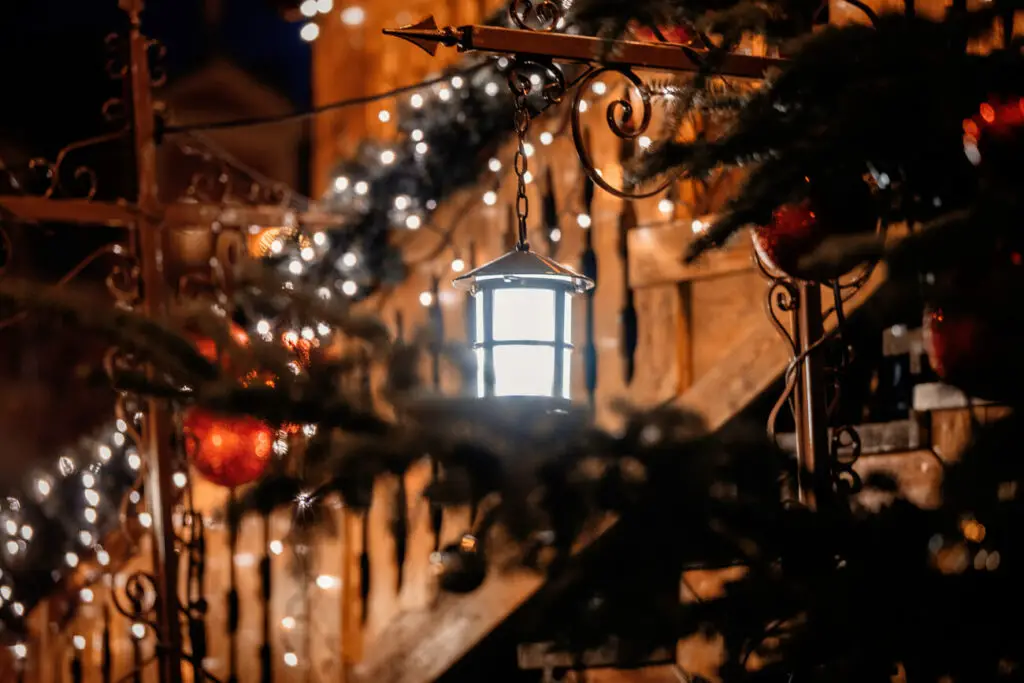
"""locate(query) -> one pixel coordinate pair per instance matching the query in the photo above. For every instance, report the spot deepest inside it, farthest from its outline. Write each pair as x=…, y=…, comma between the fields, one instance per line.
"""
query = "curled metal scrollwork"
x=138, y=601
x=53, y=171
x=619, y=116
x=782, y=296
x=844, y=477
x=117, y=68
x=547, y=13
x=554, y=87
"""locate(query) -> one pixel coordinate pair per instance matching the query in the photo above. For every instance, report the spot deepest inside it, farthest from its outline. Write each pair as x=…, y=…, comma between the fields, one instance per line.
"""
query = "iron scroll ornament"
x=548, y=14
x=619, y=116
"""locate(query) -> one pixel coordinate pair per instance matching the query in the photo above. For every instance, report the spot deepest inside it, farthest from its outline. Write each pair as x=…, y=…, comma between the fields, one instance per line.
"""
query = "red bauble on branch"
x=207, y=347
x=227, y=450
x=797, y=230
x=672, y=34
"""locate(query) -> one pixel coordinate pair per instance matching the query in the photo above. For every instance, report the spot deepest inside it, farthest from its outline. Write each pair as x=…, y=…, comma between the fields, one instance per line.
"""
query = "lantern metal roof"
x=523, y=266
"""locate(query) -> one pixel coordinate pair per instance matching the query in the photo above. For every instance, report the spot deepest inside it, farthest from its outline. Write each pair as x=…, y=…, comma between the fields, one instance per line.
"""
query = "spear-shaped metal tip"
x=424, y=34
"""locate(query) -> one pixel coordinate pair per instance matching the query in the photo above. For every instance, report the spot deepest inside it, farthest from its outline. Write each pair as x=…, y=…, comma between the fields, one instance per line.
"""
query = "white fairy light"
x=413, y=222
x=323, y=329
x=118, y=439
x=644, y=142
x=324, y=293
x=308, y=8
x=276, y=547
x=145, y=520
x=11, y=527
x=349, y=259
x=503, y=62
x=490, y=198
x=320, y=238
x=263, y=327
x=309, y=430
x=295, y=267
x=66, y=465
x=353, y=16
x=276, y=247
x=416, y=100
x=91, y=497
x=43, y=487
x=307, y=333
x=584, y=220
x=341, y=183
x=104, y=453
x=12, y=547
x=90, y=515
x=309, y=32
x=546, y=138
x=325, y=582
x=324, y=6
x=444, y=94
x=426, y=298
x=422, y=148
x=18, y=609
x=86, y=595
x=491, y=89
x=555, y=235
x=528, y=177
x=288, y=623
x=584, y=106
x=307, y=254
x=291, y=659
x=416, y=135
x=102, y=557
x=71, y=559
x=665, y=206
x=457, y=82
x=528, y=149
x=88, y=480
x=85, y=537
x=494, y=164
x=27, y=532
x=138, y=630
x=599, y=87
x=349, y=288
x=134, y=497
x=536, y=80
x=458, y=265
x=20, y=651
x=387, y=157
x=180, y=479
x=362, y=187
x=402, y=202
x=78, y=641
x=383, y=116
x=121, y=425
x=5, y=592
x=697, y=226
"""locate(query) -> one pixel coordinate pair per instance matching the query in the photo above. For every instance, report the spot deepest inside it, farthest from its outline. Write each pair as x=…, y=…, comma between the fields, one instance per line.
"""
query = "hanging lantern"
x=523, y=337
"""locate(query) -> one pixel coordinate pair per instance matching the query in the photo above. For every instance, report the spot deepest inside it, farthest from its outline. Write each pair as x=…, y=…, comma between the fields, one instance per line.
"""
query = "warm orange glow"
x=227, y=450
x=987, y=112
x=974, y=530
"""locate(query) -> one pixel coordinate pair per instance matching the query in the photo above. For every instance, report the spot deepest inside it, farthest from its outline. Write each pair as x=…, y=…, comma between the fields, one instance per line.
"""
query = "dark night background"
x=52, y=59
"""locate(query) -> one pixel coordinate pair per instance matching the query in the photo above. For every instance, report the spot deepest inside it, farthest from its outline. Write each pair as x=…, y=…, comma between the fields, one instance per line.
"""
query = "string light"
x=103, y=557
x=494, y=164
x=422, y=148
x=88, y=480
x=665, y=206
x=324, y=6
x=12, y=547
x=413, y=222
x=426, y=298
x=307, y=254
x=353, y=16
x=27, y=532
x=325, y=582
x=90, y=515
x=457, y=82
x=71, y=559
x=416, y=100
x=79, y=642
x=295, y=267
x=644, y=142
x=11, y=526
x=276, y=547
x=323, y=293
x=362, y=187
x=444, y=94
x=91, y=497
x=384, y=116
x=697, y=226
x=599, y=87
x=104, y=453
x=528, y=177
x=308, y=8
x=138, y=630
x=263, y=328
x=180, y=479
x=20, y=651
x=528, y=149
x=584, y=106
x=402, y=202
x=491, y=89
x=341, y=183
x=458, y=265
x=276, y=247
x=18, y=609
x=85, y=538
x=387, y=157
x=349, y=288
x=5, y=592
x=555, y=235
x=309, y=32
x=145, y=519
x=416, y=135
x=490, y=198
x=43, y=487
x=584, y=220
x=291, y=659
x=546, y=138
x=86, y=595
x=288, y=623
x=349, y=259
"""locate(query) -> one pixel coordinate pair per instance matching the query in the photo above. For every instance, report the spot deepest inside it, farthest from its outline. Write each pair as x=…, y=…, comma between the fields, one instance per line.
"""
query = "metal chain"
x=522, y=125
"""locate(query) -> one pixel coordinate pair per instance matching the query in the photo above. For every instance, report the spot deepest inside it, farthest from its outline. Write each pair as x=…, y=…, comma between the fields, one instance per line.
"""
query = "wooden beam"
x=243, y=216
x=655, y=256
x=73, y=211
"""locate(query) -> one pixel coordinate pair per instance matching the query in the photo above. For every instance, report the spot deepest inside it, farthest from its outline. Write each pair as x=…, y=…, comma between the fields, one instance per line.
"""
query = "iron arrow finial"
x=425, y=35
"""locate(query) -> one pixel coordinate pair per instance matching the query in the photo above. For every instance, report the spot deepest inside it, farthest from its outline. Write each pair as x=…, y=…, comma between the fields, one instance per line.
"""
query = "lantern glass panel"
x=567, y=373
x=481, y=373
x=521, y=313
x=480, y=322
x=567, y=333
x=523, y=370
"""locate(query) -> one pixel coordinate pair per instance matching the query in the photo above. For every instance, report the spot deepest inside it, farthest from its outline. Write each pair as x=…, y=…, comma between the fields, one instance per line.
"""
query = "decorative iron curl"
x=782, y=296
x=619, y=116
x=117, y=67
x=140, y=595
x=554, y=87
x=52, y=171
x=844, y=477
x=547, y=12
x=157, y=53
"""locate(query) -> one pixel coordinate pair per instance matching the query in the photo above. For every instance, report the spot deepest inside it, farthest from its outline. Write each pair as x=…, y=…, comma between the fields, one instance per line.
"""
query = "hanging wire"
x=310, y=113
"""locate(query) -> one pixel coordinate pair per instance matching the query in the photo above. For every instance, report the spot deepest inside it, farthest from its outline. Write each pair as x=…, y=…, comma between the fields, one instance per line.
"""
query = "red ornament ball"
x=797, y=230
x=227, y=450
x=207, y=347
x=673, y=34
